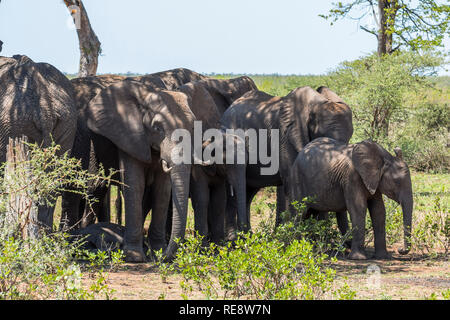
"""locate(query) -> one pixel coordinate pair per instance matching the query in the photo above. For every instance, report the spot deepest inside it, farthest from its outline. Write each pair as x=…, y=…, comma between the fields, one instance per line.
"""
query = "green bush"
x=287, y=262
x=257, y=267
x=46, y=267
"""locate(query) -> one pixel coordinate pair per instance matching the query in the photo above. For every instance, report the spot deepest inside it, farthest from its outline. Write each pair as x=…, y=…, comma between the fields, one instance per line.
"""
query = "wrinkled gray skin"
x=301, y=116
x=37, y=101
x=91, y=149
x=208, y=101
x=100, y=236
x=341, y=177
x=140, y=122
x=94, y=149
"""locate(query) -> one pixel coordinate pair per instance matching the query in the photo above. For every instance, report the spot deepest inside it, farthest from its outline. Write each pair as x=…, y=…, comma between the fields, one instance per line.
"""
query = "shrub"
x=45, y=267
x=256, y=267
x=288, y=263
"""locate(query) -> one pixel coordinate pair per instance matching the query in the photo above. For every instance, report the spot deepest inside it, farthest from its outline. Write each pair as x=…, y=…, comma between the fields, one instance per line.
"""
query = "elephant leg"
x=216, y=213
x=92, y=211
x=147, y=202
x=169, y=220
x=160, y=198
x=283, y=204
x=132, y=174
x=70, y=213
x=251, y=192
x=104, y=210
x=118, y=206
x=357, y=210
x=230, y=215
x=322, y=215
x=45, y=217
x=342, y=222
x=378, y=215
x=200, y=194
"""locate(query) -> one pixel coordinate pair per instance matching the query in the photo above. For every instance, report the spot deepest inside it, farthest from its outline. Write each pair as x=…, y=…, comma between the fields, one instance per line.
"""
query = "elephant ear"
x=330, y=95
x=117, y=113
x=202, y=104
x=295, y=113
x=368, y=163
x=226, y=91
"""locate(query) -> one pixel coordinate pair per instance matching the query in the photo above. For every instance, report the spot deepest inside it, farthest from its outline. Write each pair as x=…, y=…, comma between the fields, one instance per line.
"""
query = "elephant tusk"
x=202, y=163
x=231, y=191
x=165, y=166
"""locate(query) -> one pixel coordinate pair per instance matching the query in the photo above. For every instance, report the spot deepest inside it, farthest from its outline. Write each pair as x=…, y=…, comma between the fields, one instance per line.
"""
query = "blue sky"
x=144, y=36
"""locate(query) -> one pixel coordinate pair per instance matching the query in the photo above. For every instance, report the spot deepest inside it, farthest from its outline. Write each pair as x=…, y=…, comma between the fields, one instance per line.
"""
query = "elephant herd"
x=128, y=123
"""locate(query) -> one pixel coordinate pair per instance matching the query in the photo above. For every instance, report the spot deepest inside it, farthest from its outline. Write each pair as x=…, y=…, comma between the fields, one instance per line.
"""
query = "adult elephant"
x=140, y=121
x=174, y=78
x=36, y=100
x=94, y=149
x=299, y=117
x=208, y=100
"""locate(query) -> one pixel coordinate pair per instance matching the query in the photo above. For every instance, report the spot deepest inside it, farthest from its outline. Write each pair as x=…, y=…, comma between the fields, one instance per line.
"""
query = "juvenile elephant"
x=341, y=177
x=299, y=117
x=36, y=100
x=140, y=121
x=208, y=100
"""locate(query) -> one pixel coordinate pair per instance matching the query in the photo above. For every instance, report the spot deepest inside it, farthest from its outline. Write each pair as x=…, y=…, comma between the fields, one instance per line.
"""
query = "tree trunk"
x=387, y=10
x=21, y=215
x=382, y=37
x=90, y=46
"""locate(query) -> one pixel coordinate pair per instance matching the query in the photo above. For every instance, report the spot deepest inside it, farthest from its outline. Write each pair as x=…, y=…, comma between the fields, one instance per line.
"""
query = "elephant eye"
x=157, y=127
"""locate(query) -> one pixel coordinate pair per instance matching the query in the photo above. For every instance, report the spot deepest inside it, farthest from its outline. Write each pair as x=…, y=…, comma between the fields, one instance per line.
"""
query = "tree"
x=415, y=24
x=90, y=46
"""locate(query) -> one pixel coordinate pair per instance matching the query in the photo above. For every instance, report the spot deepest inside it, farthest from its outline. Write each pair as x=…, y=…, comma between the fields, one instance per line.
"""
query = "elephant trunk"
x=180, y=178
x=407, y=208
x=241, y=197
x=237, y=179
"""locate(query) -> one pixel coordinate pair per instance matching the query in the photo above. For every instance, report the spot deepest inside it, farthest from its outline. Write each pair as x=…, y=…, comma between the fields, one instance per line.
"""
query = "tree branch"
x=369, y=31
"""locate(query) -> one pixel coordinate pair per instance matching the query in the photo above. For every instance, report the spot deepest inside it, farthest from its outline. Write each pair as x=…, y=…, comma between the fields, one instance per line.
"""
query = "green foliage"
x=412, y=24
x=432, y=229
x=287, y=262
x=376, y=89
x=324, y=234
x=257, y=266
x=47, y=267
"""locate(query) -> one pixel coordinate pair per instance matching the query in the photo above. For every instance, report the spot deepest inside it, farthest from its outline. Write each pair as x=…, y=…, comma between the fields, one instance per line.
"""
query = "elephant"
x=172, y=79
x=87, y=147
x=1, y=45
x=103, y=236
x=36, y=101
x=338, y=177
x=94, y=149
x=208, y=100
x=140, y=122
x=299, y=117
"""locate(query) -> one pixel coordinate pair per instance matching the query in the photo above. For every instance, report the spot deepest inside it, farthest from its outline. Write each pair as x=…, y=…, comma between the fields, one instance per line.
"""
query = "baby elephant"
x=338, y=177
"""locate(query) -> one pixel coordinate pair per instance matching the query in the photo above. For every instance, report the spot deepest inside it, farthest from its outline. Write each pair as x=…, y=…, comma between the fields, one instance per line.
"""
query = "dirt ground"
x=399, y=278
x=414, y=276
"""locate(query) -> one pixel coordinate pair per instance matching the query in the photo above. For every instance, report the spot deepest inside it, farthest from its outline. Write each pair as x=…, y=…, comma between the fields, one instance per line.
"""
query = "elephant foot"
x=134, y=255
x=382, y=255
x=231, y=235
x=157, y=245
x=348, y=244
x=171, y=250
x=357, y=255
